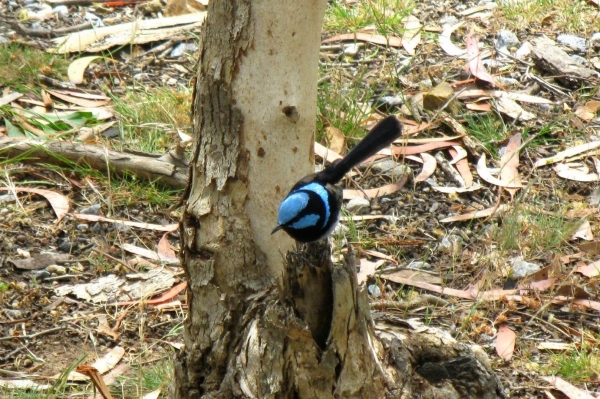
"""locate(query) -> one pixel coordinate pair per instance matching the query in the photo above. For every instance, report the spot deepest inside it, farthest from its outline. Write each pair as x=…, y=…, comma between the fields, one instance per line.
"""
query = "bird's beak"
x=276, y=229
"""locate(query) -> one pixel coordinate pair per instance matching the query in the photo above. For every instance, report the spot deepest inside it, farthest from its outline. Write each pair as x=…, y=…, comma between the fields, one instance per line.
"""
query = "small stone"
x=521, y=268
x=351, y=49
x=358, y=205
x=374, y=290
x=391, y=168
x=56, y=269
x=41, y=275
x=418, y=264
x=340, y=229
x=61, y=10
x=82, y=227
x=437, y=97
x=579, y=59
x=572, y=41
x=505, y=40
x=91, y=210
x=451, y=243
x=13, y=313
x=524, y=51
x=178, y=50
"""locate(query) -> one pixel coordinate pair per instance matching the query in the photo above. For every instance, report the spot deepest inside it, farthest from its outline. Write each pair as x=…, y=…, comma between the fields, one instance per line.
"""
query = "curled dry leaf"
x=58, y=202
x=77, y=68
x=78, y=99
x=429, y=166
x=486, y=175
x=566, y=172
x=510, y=108
x=459, y=158
x=474, y=59
x=446, y=42
x=505, y=342
x=367, y=269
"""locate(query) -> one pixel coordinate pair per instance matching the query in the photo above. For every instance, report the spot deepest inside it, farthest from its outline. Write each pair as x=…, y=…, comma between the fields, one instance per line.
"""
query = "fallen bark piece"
x=137, y=32
x=150, y=166
x=549, y=57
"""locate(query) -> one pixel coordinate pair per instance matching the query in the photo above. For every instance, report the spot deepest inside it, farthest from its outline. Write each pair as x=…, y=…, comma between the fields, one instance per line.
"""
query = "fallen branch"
x=165, y=169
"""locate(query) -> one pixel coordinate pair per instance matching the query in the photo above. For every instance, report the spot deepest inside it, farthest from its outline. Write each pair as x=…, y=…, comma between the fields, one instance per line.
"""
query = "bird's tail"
x=381, y=136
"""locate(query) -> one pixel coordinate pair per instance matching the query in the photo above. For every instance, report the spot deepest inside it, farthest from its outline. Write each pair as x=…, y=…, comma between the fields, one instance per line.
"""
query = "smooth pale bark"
x=255, y=328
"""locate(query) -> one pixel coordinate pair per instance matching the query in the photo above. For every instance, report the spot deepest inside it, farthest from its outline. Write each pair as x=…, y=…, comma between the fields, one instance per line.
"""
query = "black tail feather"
x=381, y=136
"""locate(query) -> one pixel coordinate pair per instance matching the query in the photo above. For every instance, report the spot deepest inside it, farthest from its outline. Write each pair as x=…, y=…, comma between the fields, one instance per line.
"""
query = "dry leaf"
x=561, y=156
x=505, y=342
x=24, y=384
x=58, y=202
x=104, y=364
x=474, y=59
x=590, y=270
x=509, y=164
x=584, y=232
x=418, y=149
x=152, y=395
x=429, y=166
x=78, y=100
x=336, y=139
x=149, y=254
x=375, y=192
x=94, y=375
x=510, y=108
x=167, y=296
x=564, y=171
x=493, y=211
x=325, y=153
x=367, y=269
x=486, y=175
x=480, y=106
x=149, y=226
x=77, y=68
x=566, y=388
x=9, y=98
x=412, y=34
x=588, y=111
x=164, y=249
x=446, y=43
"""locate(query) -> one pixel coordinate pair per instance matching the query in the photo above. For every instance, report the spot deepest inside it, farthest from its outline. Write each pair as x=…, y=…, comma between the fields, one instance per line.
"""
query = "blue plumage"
x=312, y=208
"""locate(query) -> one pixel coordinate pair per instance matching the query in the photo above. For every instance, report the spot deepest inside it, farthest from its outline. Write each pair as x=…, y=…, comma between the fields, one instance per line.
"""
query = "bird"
x=311, y=210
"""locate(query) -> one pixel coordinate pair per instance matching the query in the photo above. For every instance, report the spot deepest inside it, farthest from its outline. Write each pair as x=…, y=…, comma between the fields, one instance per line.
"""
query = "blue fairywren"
x=311, y=210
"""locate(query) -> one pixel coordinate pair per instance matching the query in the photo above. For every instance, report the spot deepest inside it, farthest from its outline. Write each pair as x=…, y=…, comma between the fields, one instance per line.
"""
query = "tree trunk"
x=255, y=327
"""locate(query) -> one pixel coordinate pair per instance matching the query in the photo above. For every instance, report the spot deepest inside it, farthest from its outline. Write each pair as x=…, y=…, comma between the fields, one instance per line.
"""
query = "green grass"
x=20, y=65
x=149, y=117
x=486, y=128
x=576, y=366
x=386, y=16
x=562, y=15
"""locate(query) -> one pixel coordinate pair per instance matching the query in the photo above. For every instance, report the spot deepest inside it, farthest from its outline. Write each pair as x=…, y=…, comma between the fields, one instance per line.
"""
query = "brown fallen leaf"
x=149, y=226
x=486, y=175
x=9, y=98
x=493, y=211
x=326, y=153
x=367, y=269
x=376, y=192
x=392, y=41
x=505, y=342
x=70, y=97
x=566, y=388
x=103, y=364
x=164, y=249
x=336, y=138
x=165, y=297
x=94, y=375
x=58, y=202
x=509, y=164
x=418, y=149
x=590, y=270
x=474, y=60
x=429, y=166
x=566, y=172
x=462, y=165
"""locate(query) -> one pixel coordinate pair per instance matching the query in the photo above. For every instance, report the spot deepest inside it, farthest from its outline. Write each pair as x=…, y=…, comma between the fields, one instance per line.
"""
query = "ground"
x=413, y=232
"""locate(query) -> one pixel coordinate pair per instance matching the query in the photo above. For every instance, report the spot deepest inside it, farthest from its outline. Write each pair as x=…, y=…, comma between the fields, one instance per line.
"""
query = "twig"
x=8, y=355
x=131, y=269
x=37, y=334
x=52, y=32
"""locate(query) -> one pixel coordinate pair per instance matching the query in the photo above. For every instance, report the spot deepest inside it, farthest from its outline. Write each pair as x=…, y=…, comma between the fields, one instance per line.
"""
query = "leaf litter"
x=453, y=183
